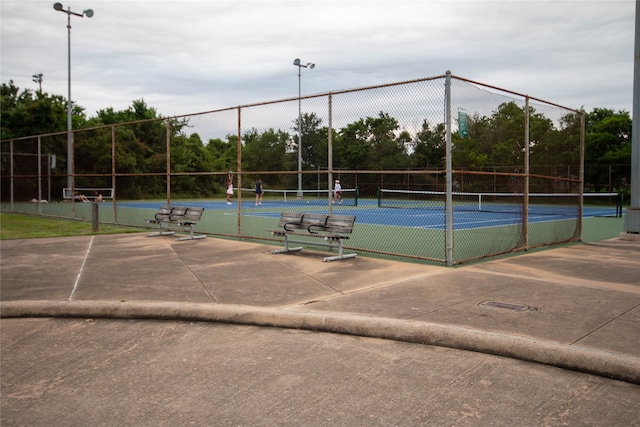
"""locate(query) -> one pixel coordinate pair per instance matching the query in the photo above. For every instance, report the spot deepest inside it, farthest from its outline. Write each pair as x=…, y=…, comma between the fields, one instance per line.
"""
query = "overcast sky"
x=192, y=56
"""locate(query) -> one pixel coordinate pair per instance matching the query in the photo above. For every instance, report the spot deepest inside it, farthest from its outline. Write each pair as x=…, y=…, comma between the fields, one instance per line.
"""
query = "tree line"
x=490, y=143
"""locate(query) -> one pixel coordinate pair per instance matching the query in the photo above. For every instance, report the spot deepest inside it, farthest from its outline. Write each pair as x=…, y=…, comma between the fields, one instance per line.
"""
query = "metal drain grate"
x=505, y=305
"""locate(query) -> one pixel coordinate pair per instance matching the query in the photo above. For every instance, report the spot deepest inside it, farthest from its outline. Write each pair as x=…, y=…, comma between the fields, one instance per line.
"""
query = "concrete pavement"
x=360, y=341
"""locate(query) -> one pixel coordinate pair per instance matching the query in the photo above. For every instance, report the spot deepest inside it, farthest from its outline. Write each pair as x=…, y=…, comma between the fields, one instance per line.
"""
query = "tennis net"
x=563, y=204
x=313, y=197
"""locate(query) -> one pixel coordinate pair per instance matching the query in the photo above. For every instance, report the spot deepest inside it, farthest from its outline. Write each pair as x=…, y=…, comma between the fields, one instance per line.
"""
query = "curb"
x=587, y=360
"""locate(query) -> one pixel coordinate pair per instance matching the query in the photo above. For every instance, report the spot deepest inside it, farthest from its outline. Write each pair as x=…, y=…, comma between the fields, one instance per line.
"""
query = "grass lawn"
x=19, y=226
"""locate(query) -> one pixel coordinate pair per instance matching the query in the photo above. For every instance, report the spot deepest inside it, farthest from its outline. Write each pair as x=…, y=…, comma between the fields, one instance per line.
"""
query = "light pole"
x=311, y=66
x=89, y=14
x=37, y=78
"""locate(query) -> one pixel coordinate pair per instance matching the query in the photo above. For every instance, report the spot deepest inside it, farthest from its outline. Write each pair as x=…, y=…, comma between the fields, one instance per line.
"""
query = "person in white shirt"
x=337, y=192
x=229, y=188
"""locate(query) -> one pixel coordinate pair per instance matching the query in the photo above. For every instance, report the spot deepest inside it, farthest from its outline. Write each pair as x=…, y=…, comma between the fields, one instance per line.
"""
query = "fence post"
x=525, y=198
x=330, y=155
x=632, y=214
x=168, y=160
x=448, y=237
x=95, y=217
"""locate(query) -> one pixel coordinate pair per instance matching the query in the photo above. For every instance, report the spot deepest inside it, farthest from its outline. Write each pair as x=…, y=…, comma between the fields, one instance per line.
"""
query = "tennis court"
x=399, y=227
x=423, y=210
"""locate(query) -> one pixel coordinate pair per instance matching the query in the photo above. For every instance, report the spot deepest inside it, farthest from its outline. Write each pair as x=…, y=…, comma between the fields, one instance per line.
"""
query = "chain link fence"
x=440, y=169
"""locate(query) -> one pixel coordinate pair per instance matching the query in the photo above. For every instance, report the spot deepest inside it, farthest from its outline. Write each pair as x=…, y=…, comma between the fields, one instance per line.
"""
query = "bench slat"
x=314, y=223
x=164, y=213
x=340, y=223
x=192, y=214
x=290, y=220
x=177, y=213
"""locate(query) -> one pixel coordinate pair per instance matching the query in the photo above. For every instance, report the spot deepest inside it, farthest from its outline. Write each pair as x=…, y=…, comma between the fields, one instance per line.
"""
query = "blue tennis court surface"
x=367, y=212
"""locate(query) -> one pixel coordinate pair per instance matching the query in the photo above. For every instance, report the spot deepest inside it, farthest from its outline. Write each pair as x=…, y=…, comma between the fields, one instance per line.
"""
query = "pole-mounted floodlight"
x=88, y=13
x=311, y=66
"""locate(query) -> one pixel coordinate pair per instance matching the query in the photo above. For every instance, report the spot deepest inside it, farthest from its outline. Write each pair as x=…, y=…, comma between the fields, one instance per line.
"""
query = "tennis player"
x=337, y=192
x=229, y=188
x=259, y=192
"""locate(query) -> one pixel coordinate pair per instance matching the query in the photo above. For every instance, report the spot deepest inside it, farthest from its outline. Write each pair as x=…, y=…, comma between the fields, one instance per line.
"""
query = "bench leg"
x=286, y=247
x=337, y=257
x=161, y=233
x=191, y=236
x=340, y=254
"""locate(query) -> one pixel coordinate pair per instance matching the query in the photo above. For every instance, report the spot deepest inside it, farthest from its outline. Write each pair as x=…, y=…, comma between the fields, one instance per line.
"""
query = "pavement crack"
x=204, y=287
x=310, y=276
x=358, y=290
x=540, y=275
x=604, y=324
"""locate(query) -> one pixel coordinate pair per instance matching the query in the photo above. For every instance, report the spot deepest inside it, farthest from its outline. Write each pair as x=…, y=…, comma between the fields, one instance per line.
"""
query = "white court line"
x=84, y=261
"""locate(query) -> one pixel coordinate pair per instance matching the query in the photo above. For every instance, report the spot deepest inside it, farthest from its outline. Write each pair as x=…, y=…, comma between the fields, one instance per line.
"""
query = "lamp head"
x=57, y=6
x=296, y=62
x=312, y=66
x=88, y=13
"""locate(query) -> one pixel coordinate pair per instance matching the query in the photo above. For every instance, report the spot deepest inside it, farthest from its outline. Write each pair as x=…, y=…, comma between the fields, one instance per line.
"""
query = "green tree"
x=507, y=132
x=428, y=147
x=26, y=113
x=373, y=143
x=498, y=142
x=473, y=152
x=189, y=154
x=264, y=151
x=224, y=154
x=607, y=149
x=312, y=143
x=555, y=152
x=353, y=149
x=141, y=148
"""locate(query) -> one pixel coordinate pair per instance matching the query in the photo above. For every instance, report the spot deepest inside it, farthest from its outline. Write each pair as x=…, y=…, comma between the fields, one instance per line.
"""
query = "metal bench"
x=333, y=229
x=170, y=219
